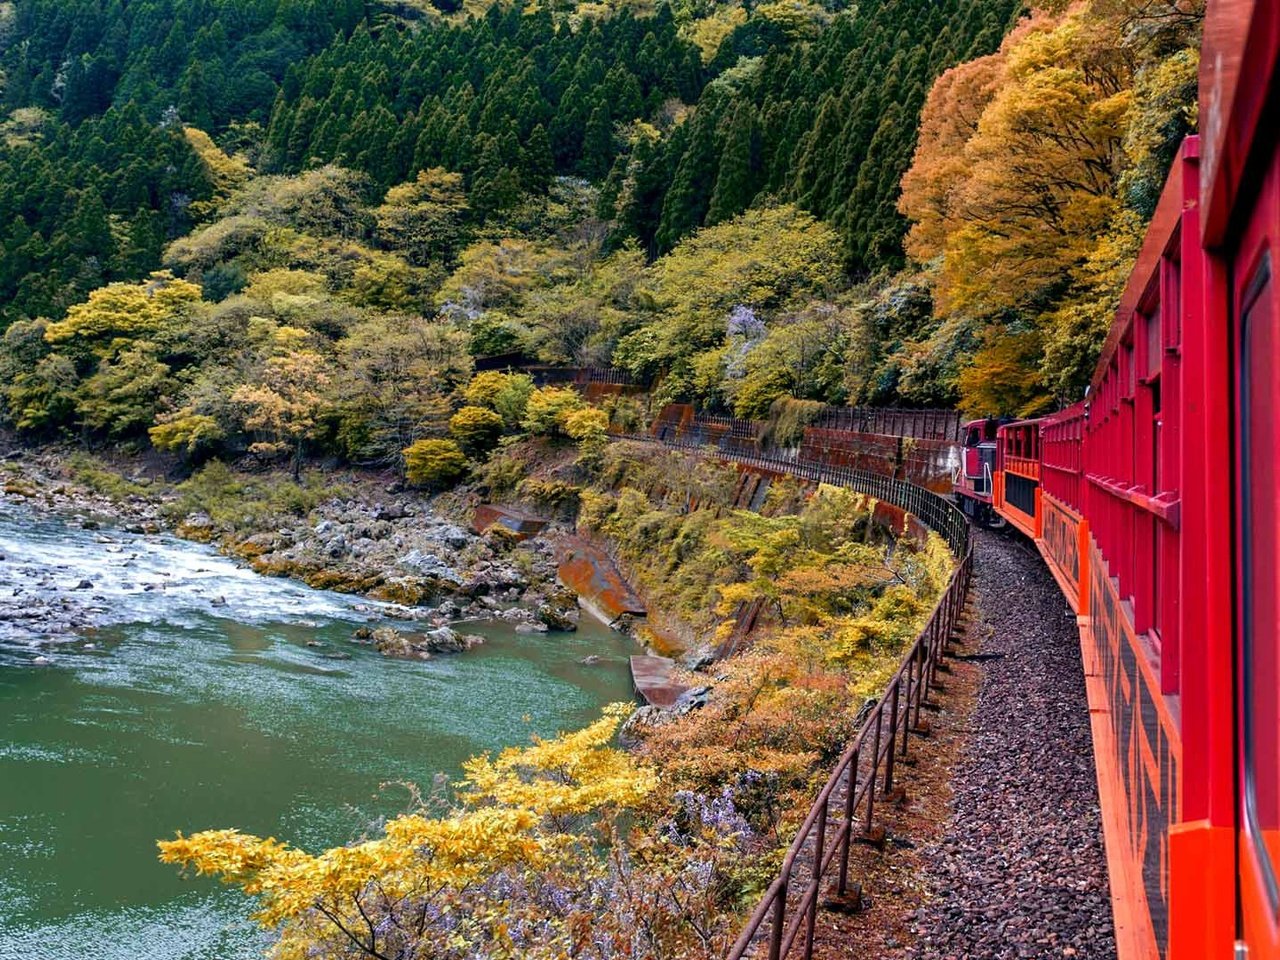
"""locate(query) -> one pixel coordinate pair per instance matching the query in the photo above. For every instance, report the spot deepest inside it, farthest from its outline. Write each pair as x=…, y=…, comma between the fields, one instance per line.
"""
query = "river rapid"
x=208, y=696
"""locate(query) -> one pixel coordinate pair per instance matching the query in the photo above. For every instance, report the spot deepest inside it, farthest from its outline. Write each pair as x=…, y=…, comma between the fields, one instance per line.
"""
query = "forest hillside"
x=892, y=202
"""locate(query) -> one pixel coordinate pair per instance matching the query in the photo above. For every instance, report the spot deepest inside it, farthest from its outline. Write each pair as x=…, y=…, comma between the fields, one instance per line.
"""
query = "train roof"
x=1238, y=89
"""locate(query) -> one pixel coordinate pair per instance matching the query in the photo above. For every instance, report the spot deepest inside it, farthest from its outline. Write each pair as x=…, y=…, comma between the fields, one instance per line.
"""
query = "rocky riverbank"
x=372, y=538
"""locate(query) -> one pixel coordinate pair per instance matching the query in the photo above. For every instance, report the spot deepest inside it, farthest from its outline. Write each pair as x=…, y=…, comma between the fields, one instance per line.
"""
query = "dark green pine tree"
x=738, y=178
x=539, y=163
x=494, y=185
x=88, y=227
x=194, y=98
x=685, y=206
x=597, y=145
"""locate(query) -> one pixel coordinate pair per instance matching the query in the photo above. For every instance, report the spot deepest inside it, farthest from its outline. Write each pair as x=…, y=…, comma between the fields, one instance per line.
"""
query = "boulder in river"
x=421, y=646
x=390, y=642
x=560, y=611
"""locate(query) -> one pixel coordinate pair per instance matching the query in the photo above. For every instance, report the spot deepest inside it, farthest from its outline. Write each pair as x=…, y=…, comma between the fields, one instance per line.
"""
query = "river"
x=181, y=712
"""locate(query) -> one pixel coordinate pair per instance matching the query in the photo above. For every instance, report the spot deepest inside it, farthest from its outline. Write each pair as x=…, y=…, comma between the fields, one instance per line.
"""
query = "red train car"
x=1017, y=479
x=1156, y=504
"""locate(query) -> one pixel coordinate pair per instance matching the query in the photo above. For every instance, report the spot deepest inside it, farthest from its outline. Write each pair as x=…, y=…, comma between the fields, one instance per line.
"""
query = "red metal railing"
x=820, y=850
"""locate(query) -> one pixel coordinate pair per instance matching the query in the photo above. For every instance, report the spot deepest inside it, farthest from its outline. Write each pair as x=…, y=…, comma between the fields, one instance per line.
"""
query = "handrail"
x=884, y=737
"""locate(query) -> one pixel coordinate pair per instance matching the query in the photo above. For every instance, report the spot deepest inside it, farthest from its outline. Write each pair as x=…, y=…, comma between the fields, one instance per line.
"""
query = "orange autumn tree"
x=284, y=407
x=1031, y=183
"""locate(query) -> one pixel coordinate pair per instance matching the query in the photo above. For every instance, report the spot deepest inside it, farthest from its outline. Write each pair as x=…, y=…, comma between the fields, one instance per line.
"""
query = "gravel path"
x=1019, y=871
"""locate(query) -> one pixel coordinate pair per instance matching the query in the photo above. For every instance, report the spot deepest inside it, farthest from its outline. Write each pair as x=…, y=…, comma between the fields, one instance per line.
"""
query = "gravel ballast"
x=1020, y=870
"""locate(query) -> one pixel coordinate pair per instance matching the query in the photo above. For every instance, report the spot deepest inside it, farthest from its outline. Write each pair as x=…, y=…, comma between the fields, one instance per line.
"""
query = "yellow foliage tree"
x=571, y=775
x=1040, y=170
x=548, y=407
x=1034, y=169
x=518, y=805
x=124, y=311
x=285, y=406
x=226, y=173
x=185, y=429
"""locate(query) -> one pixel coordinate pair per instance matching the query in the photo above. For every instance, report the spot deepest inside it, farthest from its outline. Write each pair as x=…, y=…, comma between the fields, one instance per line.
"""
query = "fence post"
x=818, y=851
x=893, y=737
x=779, y=921
x=875, y=767
x=849, y=797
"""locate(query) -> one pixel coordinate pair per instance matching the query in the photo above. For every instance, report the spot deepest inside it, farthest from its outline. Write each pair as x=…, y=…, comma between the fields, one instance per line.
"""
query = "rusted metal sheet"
x=523, y=525
x=654, y=678
x=589, y=572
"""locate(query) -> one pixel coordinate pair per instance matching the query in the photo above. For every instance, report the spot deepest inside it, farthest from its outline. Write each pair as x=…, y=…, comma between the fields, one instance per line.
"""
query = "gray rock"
x=430, y=565
x=451, y=534
x=698, y=659
x=390, y=511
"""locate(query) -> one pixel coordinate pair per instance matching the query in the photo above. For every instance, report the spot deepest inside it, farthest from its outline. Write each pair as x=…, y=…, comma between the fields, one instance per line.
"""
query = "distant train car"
x=1156, y=504
x=1017, y=478
x=975, y=478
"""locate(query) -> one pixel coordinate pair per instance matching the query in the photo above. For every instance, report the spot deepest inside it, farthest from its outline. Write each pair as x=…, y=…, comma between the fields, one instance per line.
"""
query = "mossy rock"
x=269, y=567
x=342, y=581
x=249, y=549
x=197, y=532
x=406, y=592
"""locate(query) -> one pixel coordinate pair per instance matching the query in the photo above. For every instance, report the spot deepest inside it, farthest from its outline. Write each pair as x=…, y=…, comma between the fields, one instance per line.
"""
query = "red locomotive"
x=1156, y=504
x=975, y=477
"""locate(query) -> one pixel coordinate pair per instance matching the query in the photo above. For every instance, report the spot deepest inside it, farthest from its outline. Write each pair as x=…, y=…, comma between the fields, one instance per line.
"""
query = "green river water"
x=192, y=716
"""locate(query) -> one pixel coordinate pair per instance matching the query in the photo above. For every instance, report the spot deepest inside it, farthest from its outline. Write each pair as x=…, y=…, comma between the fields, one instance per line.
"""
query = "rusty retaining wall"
x=927, y=463
x=587, y=570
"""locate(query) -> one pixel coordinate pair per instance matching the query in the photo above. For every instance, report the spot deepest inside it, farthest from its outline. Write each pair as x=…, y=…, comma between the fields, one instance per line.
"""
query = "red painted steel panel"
x=1114, y=470
x=1138, y=753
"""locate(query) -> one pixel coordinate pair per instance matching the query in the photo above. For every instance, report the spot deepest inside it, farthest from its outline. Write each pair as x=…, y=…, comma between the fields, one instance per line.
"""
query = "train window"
x=1154, y=352
x=1260, y=469
x=1173, y=297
